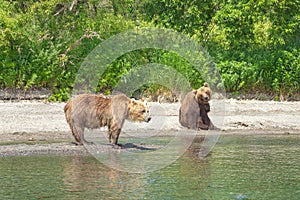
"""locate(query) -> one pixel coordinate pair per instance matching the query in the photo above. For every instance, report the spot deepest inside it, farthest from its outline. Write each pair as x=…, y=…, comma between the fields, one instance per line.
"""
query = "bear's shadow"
x=131, y=146
x=126, y=146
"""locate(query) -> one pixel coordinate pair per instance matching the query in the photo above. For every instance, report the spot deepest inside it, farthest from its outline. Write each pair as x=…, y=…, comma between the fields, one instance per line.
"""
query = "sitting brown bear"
x=92, y=111
x=194, y=109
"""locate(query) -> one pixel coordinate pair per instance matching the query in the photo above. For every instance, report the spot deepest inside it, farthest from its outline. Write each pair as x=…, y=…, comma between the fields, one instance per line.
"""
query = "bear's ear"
x=143, y=99
x=205, y=84
x=195, y=92
x=209, y=92
x=132, y=102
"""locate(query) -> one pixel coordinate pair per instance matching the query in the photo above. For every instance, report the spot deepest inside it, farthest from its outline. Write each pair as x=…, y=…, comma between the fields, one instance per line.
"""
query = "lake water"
x=239, y=167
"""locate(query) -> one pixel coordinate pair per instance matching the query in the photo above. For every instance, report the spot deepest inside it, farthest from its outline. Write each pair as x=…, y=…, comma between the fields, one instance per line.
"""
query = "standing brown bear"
x=92, y=111
x=194, y=109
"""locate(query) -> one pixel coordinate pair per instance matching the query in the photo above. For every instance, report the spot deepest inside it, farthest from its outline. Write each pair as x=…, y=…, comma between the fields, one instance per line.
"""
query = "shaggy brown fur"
x=194, y=109
x=91, y=111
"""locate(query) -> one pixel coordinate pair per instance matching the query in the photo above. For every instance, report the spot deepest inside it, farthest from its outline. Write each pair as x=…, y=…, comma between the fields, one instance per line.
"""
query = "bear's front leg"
x=207, y=107
x=114, y=132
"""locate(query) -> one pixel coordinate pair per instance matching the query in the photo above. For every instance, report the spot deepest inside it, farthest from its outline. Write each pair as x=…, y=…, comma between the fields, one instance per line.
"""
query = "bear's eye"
x=143, y=111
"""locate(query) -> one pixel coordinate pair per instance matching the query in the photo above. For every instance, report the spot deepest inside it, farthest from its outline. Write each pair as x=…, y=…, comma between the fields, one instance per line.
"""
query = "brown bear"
x=93, y=111
x=194, y=109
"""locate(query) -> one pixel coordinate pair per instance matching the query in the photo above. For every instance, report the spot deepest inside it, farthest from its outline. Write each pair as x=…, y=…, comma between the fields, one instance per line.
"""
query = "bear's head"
x=203, y=94
x=138, y=111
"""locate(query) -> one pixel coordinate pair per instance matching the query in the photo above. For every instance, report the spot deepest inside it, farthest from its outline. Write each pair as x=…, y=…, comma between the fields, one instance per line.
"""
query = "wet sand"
x=36, y=127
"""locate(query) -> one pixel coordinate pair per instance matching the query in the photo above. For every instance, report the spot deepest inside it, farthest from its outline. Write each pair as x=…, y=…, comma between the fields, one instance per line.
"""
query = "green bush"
x=237, y=75
x=255, y=44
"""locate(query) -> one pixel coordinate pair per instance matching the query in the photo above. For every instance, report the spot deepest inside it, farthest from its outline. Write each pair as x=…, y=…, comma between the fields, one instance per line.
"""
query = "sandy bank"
x=42, y=126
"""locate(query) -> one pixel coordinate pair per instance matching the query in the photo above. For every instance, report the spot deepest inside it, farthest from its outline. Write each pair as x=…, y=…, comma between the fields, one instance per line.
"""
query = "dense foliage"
x=255, y=44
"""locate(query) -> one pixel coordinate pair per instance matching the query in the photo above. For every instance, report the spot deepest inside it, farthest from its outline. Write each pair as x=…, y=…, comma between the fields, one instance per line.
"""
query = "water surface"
x=240, y=167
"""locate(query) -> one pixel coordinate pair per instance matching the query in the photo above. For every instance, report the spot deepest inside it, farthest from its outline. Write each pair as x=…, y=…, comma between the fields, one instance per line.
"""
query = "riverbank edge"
x=65, y=145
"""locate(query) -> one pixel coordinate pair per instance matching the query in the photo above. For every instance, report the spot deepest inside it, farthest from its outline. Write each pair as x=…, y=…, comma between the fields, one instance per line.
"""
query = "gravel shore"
x=37, y=127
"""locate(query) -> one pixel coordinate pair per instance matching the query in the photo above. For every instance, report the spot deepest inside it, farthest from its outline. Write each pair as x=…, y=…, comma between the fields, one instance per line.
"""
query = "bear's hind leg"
x=78, y=134
x=201, y=124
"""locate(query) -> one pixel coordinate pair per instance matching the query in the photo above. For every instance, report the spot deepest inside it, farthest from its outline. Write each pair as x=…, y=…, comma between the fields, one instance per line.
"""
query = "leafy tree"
x=256, y=43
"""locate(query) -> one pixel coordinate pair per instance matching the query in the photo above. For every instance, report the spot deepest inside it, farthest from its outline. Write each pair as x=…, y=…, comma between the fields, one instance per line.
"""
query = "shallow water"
x=239, y=167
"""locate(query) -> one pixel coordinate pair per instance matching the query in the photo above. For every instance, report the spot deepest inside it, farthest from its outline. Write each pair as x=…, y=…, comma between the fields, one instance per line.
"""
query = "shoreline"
x=39, y=128
x=67, y=147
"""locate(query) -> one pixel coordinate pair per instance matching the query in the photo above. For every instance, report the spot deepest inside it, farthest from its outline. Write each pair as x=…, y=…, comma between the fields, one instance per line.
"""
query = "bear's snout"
x=206, y=98
x=148, y=119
